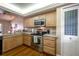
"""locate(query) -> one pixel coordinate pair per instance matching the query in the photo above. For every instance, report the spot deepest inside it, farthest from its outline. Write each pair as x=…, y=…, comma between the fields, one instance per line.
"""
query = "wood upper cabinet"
x=35, y=18
x=27, y=40
x=51, y=19
x=29, y=22
x=43, y=16
x=49, y=45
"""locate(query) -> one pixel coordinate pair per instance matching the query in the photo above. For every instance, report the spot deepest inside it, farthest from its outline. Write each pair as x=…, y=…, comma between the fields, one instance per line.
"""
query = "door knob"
x=70, y=38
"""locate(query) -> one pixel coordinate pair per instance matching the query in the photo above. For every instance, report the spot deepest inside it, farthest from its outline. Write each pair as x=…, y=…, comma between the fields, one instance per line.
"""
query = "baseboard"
x=48, y=54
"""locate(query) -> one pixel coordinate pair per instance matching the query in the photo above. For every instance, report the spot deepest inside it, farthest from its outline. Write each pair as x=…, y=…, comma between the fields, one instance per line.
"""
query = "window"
x=71, y=22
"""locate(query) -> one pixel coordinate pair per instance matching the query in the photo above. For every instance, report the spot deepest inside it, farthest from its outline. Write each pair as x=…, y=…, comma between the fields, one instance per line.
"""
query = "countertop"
x=11, y=35
x=50, y=35
x=15, y=34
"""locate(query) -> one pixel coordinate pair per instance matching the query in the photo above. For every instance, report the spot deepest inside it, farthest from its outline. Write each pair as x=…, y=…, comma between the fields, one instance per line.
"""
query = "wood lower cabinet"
x=7, y=44
x=27, y=40
x=18, y=40
x=49, y=50
x=49, y=45
x=12, y=42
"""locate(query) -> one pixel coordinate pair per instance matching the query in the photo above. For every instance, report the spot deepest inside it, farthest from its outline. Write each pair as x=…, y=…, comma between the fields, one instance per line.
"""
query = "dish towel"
x=35, y=40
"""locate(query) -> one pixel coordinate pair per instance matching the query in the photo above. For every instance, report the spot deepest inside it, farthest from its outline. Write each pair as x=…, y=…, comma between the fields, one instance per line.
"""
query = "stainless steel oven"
x=37, y=42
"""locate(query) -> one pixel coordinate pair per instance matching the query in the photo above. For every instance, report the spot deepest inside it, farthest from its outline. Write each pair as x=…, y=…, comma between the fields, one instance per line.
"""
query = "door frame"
x=62, y=22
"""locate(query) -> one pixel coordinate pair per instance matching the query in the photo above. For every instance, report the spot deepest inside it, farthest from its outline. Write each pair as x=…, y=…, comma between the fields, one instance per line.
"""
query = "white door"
x=70, y=31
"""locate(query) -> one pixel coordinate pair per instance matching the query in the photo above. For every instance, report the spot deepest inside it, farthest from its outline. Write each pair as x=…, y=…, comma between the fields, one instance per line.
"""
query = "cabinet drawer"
x=49, y=43
x=27, y=40
x=49, y=38
x=49, y=50
x=27, y=43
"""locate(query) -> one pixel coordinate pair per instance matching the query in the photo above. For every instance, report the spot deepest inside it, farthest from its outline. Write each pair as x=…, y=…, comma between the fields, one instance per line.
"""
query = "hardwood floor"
x=23, y=51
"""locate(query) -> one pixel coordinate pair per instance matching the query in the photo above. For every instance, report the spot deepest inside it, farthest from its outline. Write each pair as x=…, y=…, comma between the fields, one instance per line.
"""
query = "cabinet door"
x=29, y=22
x=49, y=50
x=26, y=22
x=19, y=40
x=49, y=45
x=43, y=16
x=36, y=17
x=14, y=43
x=7, y=44
x=51, y=19
x=27, y=40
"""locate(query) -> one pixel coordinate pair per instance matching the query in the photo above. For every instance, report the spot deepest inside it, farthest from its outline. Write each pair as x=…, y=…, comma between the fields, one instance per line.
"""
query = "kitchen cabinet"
x=27, y=39
x=43, y=16
x=12, y=42
x=49, y=50
x=29, y=22
x=50, y=19
x=49, y=45
x=35, y=18
x=20, y=39
x=7, y=44
x=17, y=40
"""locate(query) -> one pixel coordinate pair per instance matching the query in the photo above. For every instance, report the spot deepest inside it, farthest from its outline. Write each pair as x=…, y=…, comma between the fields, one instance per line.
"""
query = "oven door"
x=37, y=42
x=36, y=39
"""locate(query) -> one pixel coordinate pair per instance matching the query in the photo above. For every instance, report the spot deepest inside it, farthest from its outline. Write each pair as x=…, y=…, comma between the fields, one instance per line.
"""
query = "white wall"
x=19, y=21
x=6, y=25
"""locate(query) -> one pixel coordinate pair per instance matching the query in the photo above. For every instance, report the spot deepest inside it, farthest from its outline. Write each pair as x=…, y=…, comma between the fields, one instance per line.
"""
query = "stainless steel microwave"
x=40, y=22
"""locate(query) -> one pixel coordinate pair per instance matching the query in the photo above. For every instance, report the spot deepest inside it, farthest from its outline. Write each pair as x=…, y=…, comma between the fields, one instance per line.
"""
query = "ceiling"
x=23, y=5
x=25, y=9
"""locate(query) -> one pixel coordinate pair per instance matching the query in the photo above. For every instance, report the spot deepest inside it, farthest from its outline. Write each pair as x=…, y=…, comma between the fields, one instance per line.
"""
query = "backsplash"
x=31, y=30
x=52, y=30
